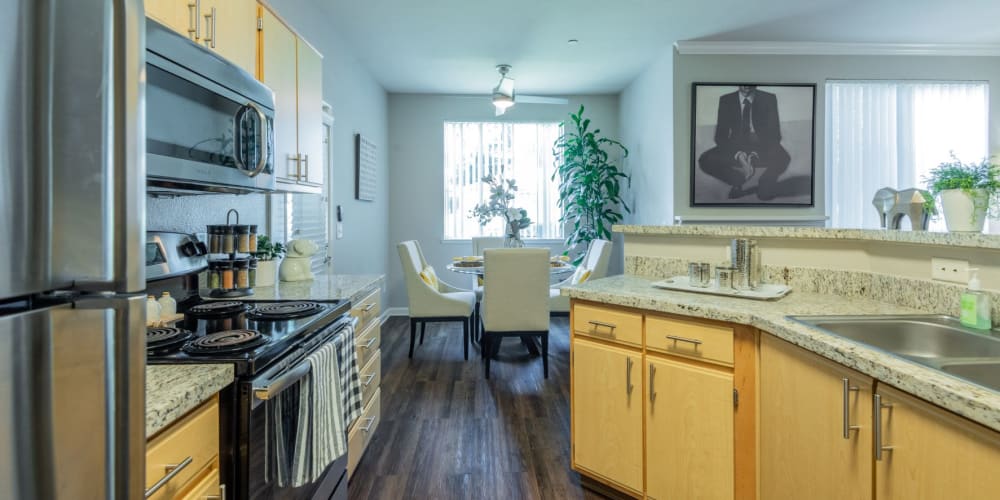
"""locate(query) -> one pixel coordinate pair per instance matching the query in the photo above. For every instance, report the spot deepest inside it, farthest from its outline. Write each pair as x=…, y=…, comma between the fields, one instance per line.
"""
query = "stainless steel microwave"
x=209, y=124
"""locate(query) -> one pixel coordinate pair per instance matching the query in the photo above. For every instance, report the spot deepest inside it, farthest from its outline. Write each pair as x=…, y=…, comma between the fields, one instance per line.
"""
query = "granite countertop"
x=964, y=240
x=969, y=400
x=323, y=287
x=173, y=390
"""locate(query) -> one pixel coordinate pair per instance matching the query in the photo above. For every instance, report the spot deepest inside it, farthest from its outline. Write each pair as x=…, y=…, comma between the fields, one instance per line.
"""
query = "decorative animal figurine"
x=893, y=205
x=297, y=263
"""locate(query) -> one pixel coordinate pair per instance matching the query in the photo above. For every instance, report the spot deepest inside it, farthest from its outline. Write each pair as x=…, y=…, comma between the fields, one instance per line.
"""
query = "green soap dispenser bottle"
x=975, y=305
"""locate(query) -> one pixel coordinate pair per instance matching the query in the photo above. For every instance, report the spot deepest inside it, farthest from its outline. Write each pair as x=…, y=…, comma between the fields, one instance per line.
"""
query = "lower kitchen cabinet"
x=607, y=412
x=689, y=431
x=185, y=456
x=932, y=453
x=815, y=426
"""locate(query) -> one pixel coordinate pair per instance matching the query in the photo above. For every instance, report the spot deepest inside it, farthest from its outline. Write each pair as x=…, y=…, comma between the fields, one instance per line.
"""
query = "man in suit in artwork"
x=747, y=138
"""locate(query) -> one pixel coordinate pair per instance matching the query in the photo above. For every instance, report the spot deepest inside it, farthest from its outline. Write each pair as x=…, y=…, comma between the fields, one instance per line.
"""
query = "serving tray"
x=766, y=291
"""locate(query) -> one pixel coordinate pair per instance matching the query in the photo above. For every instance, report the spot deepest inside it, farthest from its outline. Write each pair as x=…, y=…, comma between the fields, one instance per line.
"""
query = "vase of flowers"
x=502, y=192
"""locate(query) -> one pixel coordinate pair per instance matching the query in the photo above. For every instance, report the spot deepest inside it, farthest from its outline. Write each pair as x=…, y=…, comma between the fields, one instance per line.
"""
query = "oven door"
x=203, y=136
x=271, y=433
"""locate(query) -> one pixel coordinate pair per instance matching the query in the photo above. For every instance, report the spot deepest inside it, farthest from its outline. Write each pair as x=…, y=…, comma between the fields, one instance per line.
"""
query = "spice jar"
x=253, y=239
x=228, y=239
x=214, y=239
x=242, y=238
x=214, y=276
x=242, y=270
x=253, y=270
x=226, y=271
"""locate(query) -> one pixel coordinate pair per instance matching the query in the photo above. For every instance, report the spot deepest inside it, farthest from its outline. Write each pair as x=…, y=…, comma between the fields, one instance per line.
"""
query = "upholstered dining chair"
x=480, y=243
x=432, y=300
x=593, y=266
x=515, y=299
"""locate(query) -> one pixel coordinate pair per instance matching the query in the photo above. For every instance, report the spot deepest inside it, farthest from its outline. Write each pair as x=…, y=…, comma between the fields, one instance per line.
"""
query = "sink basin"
x=985, y=373
x=925, y=339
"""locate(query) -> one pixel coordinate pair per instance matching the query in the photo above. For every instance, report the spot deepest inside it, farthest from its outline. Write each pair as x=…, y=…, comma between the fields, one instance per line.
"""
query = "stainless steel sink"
x=984, y=373
x=940, y=342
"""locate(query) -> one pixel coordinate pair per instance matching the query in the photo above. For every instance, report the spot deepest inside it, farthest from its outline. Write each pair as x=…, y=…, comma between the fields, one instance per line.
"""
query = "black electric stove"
x=249, y=335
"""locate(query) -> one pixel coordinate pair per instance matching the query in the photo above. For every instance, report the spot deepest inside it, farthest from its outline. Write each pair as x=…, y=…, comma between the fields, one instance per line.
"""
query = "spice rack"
x=232, y=269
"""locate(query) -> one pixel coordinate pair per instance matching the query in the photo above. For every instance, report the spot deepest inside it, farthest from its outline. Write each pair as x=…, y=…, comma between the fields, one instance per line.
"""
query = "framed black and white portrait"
x=752, y=144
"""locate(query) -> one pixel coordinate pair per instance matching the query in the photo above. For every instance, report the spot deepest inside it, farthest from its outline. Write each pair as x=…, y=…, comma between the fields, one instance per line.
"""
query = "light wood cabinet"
x=689, y=431
x=607, y=393
x=196, y=437
x=815, y=436
x=294, y=71
x=368, y=334
x=934, y=454
x=229, y=27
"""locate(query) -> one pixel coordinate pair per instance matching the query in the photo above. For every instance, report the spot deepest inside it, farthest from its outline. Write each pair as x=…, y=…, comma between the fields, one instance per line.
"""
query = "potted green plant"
x=590, y=184
x=968, y=192
x=267, y=255
x=500, y=204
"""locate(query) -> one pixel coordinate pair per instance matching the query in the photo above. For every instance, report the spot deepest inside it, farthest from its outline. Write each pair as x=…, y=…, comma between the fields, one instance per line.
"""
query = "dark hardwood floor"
x=446, y=432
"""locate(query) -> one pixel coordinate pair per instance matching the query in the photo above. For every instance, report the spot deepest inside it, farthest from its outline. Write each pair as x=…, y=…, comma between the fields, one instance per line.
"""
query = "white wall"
x=647, y=130
x=688, y=69
x=359, y=105
x=416, y=152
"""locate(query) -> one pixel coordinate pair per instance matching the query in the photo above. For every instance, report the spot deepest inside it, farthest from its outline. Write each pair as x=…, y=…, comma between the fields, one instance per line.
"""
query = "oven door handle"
x=268, y=389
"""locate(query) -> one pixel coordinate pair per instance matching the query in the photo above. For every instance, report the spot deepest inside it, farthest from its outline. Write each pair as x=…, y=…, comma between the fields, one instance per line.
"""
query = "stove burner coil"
x=163, y=338
x=285, y=310
x=216, y=308
x=229, y=341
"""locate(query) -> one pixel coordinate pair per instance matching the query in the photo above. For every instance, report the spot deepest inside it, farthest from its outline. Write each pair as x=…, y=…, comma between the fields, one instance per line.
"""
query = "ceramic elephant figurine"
x=893, y=205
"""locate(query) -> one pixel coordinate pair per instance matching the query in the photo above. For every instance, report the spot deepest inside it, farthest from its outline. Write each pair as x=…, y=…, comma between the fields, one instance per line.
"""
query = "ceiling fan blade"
x=536, y=99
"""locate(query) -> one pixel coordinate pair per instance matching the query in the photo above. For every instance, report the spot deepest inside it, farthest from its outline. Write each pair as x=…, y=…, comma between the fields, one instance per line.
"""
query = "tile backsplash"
x=190, y=214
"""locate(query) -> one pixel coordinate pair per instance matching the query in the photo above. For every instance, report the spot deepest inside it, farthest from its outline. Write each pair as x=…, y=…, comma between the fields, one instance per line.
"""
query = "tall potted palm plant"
x=590, y=183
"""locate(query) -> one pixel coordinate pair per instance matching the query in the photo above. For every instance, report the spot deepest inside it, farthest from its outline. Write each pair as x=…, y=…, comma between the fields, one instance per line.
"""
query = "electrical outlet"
x=955, y=271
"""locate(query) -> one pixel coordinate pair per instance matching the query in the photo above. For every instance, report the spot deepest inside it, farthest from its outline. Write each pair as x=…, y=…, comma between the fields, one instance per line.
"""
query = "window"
x=302, y=216
x=518, y=151
x=892, y=134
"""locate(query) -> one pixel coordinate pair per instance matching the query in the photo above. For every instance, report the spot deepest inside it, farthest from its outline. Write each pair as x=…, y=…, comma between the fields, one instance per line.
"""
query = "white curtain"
x=891, y=134
x=518, y=151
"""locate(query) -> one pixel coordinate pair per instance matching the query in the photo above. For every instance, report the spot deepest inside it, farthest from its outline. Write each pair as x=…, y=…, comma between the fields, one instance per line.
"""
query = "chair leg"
x=423, y=328
x=487, y=345
x=545, y=354
x=413, y=335
x=465, y=335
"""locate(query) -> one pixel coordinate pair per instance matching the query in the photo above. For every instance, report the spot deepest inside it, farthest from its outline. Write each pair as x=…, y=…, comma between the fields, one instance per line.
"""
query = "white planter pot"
x=963, y=213
x=267, y=270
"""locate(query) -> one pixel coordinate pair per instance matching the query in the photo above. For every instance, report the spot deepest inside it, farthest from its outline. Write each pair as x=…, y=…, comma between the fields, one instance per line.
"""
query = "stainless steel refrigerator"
x=72, y=229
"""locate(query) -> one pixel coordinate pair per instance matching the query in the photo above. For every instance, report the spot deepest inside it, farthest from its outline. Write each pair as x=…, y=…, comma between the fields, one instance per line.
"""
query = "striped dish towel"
x=351, y=387
x=321, y=436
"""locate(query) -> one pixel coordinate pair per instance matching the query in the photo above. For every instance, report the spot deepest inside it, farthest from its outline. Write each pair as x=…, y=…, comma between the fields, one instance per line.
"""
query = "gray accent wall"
x=808, y=69
x=359, y=104
x=416, y=159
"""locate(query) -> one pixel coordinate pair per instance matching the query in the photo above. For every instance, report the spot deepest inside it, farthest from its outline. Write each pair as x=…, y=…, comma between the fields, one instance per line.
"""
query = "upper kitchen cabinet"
x=226, y=26
x=294, y=71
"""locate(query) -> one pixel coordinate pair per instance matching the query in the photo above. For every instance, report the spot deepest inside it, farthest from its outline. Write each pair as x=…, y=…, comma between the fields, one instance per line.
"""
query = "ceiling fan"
x=504, y=96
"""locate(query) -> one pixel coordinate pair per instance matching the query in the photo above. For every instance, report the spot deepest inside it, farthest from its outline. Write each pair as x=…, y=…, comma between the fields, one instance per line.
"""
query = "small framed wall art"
x=753, y=144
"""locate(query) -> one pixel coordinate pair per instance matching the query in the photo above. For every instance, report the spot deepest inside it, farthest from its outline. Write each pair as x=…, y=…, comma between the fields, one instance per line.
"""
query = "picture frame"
x=761, y=158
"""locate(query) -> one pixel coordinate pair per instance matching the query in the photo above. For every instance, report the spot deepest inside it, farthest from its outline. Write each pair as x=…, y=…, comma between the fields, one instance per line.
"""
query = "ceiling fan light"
x=502, y=101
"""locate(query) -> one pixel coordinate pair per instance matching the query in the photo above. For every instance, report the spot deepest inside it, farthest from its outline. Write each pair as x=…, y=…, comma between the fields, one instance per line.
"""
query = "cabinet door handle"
x=370, y=343
x=598, y=324
x=172, y=471
x=305, y=159
x=848, y=388
x=220, y=496
x=877, y=407
x=194, y=21
x=652, y=378
x=368, y=380
x=677, y=339
x=369, y=307
x=367, y=428
x=210, y=29
x=628, y=376
x=297, y=159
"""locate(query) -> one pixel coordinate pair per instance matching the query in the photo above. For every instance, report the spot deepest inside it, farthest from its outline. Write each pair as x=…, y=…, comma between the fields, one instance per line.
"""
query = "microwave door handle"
x=238, y=142
x=261, y=140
